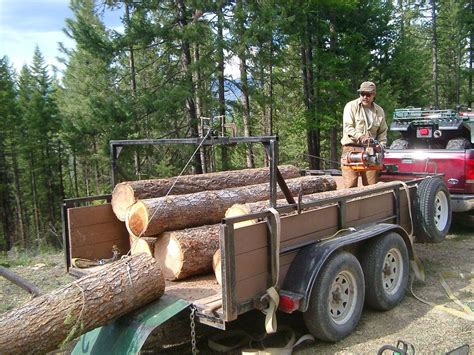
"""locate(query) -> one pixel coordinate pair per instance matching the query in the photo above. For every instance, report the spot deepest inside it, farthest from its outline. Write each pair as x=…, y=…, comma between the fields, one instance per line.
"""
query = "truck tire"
x=399, y=144
x=458, y=144
x=337, y=298
x=432, y=211
x=385, y=266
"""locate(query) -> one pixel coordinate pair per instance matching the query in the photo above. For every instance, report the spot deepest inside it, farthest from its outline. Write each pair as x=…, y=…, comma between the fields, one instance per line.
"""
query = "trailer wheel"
x=385, y=265
x=337, y=298
x=432, y=214
x=459, y=143
x=399, y=144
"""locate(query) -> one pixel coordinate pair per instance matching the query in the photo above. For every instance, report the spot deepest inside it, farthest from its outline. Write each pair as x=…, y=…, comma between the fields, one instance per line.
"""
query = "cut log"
x=142, y=245
x=216, y=266
x=47, y=321
x=155, y=216
x=187, y=252
x=127, y=193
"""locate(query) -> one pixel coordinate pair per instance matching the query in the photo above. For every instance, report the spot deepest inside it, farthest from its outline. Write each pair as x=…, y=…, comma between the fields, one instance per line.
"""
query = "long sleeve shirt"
x=356, y=123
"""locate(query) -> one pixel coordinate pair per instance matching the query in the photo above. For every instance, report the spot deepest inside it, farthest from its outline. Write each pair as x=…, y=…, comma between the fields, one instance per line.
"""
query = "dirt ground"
x=428, y=329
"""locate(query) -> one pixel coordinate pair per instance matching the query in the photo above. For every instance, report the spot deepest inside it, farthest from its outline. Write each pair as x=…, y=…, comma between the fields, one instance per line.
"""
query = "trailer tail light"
x=289, y=303
x=469, y=170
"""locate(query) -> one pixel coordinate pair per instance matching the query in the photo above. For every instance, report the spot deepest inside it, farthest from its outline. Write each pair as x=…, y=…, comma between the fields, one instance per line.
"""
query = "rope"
x=172, y=186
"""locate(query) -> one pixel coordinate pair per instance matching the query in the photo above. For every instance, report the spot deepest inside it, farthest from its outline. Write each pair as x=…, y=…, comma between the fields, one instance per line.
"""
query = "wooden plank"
x=294, y=226
x=91, y=215
x=100, y=250
x=251, y=256
x=247, y=289
x=93, y=230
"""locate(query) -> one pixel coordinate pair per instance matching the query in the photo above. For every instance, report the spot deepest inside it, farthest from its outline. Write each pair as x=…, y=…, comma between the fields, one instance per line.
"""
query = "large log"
x=44, y=323
x=187, y=252
x=155, y=216
x=127, y=193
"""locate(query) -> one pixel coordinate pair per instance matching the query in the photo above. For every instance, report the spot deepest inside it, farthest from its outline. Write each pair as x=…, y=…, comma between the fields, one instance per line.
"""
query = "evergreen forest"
x=269, y=67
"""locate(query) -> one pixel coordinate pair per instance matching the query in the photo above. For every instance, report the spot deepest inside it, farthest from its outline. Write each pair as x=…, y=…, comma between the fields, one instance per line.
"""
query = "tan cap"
x=367, y=86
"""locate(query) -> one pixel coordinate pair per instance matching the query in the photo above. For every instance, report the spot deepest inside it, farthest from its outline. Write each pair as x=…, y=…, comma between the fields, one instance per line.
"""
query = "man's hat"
x=367, y=86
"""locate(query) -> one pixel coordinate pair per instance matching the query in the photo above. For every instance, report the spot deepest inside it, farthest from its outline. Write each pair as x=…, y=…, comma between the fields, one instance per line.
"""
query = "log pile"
x=154, y=216
x=181, y=231
x=127, y=193
x=45, y=322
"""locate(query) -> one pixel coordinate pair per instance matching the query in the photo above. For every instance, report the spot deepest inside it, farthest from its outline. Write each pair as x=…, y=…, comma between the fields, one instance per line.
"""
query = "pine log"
x=187, y=252
x=216, y=266
x=155, y=216
x=142, y=245
x=47, y=321
x=127, y=193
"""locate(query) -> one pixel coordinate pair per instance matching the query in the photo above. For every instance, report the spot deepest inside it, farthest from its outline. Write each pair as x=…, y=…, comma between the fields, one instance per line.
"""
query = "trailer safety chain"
x=193, y=330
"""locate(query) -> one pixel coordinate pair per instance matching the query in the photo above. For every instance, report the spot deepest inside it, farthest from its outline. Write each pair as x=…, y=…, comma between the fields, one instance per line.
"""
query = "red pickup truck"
x=437, y=141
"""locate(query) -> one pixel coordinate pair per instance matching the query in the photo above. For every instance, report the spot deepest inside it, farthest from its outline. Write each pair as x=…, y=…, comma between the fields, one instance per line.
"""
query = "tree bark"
x=46, y=322
x=154, y=216
x=126, y=194
x=187, y=252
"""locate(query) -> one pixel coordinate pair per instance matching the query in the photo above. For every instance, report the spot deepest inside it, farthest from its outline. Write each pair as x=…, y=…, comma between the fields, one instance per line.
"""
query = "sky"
x=25, y=24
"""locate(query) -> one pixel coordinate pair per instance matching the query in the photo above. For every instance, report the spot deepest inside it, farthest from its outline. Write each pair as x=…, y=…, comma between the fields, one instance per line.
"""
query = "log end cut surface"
x=122, y=198
x=137, y=221
x=168, y=253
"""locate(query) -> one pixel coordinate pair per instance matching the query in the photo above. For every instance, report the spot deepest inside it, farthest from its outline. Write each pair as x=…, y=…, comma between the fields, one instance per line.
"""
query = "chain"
x=193, y=330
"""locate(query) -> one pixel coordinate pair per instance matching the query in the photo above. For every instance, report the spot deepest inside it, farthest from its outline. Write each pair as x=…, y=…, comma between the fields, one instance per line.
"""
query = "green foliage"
x=153, y=77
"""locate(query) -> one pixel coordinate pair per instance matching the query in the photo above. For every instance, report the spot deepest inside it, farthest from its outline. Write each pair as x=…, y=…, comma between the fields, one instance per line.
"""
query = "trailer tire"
x=385, y=266
x=432, y=214
x=458, y=143
x=337, y=298
x=399, y=144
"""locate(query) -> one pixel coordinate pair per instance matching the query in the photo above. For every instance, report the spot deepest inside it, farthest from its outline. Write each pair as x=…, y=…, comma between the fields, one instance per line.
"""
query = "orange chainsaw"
x=364, y=158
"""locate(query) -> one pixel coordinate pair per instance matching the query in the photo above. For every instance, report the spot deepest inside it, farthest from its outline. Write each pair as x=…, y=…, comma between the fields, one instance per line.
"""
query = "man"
x=363, y=120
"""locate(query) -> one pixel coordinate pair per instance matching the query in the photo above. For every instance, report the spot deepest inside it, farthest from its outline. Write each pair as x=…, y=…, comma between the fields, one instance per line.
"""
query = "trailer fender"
x=308, y=262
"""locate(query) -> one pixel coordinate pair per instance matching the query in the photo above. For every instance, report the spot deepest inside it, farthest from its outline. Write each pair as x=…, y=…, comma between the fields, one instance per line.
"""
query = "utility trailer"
x=324, y=258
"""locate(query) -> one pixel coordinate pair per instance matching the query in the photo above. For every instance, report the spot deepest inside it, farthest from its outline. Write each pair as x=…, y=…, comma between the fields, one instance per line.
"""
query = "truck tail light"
x=289, y=304
x=424, y=131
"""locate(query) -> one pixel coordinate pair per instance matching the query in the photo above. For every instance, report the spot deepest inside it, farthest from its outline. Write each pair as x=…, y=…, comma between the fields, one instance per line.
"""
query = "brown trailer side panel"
x=93, y=230
x=250, y=242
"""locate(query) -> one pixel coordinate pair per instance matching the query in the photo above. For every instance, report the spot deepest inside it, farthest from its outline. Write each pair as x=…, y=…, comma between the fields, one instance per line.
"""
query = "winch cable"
x=174, y=183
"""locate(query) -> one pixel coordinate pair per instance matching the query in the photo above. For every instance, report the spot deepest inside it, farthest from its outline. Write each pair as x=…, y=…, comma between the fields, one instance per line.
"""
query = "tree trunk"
x=186, y=65
x=126, y=194
x=154, y=216
x=46, y=322
x=221, y=82
x=187, y=252
x=142, y=245
x=434, y=43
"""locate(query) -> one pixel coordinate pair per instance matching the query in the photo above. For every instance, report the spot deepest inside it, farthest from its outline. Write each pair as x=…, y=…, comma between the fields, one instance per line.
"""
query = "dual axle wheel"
x=344, y=284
